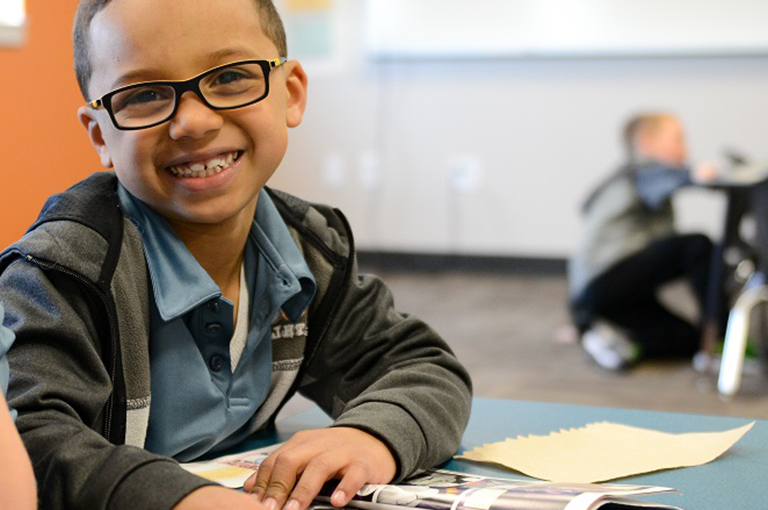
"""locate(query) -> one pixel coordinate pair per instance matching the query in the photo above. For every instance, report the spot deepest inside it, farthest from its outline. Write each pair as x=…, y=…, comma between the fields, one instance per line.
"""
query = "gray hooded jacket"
x=76, y=293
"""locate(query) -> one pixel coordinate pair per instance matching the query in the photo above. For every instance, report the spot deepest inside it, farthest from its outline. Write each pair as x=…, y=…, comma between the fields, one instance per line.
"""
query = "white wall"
x=495, y=156
x=504, y=28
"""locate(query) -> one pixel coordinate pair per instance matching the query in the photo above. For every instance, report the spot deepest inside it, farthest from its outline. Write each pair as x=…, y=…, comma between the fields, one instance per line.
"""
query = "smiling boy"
x=169, y=309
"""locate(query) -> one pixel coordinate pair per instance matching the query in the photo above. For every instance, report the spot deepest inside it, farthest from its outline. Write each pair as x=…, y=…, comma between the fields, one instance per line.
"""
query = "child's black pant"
x=626, y=295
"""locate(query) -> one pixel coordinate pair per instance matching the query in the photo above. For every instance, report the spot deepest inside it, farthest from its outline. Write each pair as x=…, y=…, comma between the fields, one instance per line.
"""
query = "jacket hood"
x=70, y=213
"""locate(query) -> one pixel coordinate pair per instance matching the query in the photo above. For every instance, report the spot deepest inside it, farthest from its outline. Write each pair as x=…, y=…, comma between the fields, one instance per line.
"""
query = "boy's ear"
x=91, y=125
x=295, y=93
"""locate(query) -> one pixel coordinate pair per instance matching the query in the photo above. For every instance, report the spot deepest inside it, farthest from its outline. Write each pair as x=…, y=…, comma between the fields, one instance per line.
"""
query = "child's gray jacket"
x=623, y=216
x=76, y=293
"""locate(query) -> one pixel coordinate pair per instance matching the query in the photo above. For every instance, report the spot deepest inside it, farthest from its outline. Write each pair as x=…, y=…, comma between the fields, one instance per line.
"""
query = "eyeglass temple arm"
x=96, y=104
x=277, y=62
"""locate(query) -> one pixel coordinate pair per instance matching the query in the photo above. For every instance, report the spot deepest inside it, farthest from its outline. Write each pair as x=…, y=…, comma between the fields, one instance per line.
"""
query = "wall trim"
x=435, y=262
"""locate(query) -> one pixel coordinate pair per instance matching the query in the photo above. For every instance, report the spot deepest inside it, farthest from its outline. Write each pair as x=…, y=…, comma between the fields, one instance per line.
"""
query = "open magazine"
x=439, y=489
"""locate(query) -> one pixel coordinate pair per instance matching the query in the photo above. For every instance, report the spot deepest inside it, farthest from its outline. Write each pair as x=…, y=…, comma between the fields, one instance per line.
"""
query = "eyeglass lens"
x=228, y=87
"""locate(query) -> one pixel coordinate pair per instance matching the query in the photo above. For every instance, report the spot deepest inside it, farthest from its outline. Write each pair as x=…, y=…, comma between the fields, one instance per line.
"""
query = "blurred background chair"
x=755, y=292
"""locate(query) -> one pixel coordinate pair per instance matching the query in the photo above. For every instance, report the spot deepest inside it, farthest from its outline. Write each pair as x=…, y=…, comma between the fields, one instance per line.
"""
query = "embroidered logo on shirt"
x=289, y=331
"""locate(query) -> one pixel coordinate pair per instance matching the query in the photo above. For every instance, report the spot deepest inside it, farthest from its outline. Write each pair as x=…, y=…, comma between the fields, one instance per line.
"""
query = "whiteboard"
x=565, y=28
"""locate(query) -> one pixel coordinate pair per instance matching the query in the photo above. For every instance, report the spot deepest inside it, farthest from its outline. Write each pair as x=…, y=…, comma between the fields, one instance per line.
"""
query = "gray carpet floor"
x=507, y=329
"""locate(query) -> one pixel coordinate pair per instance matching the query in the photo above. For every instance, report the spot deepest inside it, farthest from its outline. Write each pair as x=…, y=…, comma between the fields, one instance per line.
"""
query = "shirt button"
x=213, y=305
x=216, y=362
x=213, y=327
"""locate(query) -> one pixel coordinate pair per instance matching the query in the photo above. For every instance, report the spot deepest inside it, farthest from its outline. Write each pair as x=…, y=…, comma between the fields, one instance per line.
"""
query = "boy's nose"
x=193, y=118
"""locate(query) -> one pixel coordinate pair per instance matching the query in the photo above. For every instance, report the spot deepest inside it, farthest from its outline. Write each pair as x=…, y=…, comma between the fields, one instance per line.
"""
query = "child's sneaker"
x=609, y=347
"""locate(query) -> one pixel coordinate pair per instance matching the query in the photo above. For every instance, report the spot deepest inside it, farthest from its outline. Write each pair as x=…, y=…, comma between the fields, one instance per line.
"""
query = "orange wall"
x=43, y=147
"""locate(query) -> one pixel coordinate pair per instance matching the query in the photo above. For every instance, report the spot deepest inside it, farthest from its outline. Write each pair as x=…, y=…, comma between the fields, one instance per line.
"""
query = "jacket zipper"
x=52, y=266
x=331, y=315
x=343, y=291
x=109, y=408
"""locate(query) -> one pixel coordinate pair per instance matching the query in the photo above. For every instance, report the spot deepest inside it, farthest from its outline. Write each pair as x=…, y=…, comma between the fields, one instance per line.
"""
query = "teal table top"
x=736, y=480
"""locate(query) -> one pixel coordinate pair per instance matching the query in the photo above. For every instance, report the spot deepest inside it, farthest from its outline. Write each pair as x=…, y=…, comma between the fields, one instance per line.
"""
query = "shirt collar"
x=278, y=247
x=180, y=284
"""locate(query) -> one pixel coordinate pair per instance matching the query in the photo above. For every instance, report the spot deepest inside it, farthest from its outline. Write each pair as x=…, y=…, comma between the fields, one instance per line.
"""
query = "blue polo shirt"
x=200, y=404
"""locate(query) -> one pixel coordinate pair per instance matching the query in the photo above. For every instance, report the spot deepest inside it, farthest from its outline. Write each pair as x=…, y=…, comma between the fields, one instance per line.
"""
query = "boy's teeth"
x=212, y=167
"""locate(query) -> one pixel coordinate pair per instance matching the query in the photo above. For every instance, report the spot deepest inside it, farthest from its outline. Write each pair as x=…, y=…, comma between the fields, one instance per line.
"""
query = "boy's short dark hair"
x=643, y=121
x=271, y=24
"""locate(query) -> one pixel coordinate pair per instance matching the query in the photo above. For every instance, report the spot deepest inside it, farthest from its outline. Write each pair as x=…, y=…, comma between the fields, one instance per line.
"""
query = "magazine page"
x=233, y=470
x=614, y=497
x=447, y=490
x=630, y=504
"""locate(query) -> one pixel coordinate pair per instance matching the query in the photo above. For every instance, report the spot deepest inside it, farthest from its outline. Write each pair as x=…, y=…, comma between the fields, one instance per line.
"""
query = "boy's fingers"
x=356, y=476
x=250, y=484
x=286, y=468
x=262, y=476
x=317, y=472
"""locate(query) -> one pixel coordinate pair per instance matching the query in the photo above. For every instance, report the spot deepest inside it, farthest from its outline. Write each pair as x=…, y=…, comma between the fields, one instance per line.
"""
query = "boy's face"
x=140, y=40
x=664, y=143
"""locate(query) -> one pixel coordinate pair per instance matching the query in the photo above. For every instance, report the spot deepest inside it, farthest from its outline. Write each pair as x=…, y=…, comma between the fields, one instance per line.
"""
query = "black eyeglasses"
x=147, y=104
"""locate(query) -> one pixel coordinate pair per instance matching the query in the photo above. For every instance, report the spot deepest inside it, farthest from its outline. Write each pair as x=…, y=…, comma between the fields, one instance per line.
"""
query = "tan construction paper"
x=605, y=451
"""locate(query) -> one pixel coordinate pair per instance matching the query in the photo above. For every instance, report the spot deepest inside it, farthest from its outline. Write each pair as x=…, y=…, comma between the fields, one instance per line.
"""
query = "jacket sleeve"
x=390, y=375
x=6, y=339
x=59, y=386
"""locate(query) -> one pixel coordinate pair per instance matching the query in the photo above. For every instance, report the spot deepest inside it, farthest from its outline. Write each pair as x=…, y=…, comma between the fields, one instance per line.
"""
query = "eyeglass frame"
x=181, y=86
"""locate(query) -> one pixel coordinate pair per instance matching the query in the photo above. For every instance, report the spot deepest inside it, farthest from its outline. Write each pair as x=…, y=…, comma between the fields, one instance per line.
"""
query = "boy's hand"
x=215, y=498
x=705, y=172
x=311, y=458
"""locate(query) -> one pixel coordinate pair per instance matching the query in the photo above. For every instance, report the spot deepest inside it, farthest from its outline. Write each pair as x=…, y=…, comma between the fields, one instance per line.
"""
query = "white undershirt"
x=240, y=336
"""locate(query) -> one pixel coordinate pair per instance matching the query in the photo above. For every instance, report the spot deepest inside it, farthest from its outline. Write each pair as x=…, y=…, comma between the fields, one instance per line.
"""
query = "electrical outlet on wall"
x=334, y=170
x=369, y=168
x=465, y=172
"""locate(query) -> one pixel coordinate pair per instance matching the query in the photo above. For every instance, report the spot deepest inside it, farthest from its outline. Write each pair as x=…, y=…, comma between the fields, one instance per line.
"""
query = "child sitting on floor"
x=630, y=248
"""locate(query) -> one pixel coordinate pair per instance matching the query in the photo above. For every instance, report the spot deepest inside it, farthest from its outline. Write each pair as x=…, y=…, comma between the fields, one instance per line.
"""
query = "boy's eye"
x=142, y=98
x=234, y=80
x=229, y=76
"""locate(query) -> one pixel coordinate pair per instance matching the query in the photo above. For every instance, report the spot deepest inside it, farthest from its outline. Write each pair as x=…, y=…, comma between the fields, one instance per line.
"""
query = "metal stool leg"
x=736, y=339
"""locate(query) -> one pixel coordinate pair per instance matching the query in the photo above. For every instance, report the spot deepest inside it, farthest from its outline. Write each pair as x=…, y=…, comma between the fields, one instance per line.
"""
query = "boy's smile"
x=201, y=172
x=203, y=166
